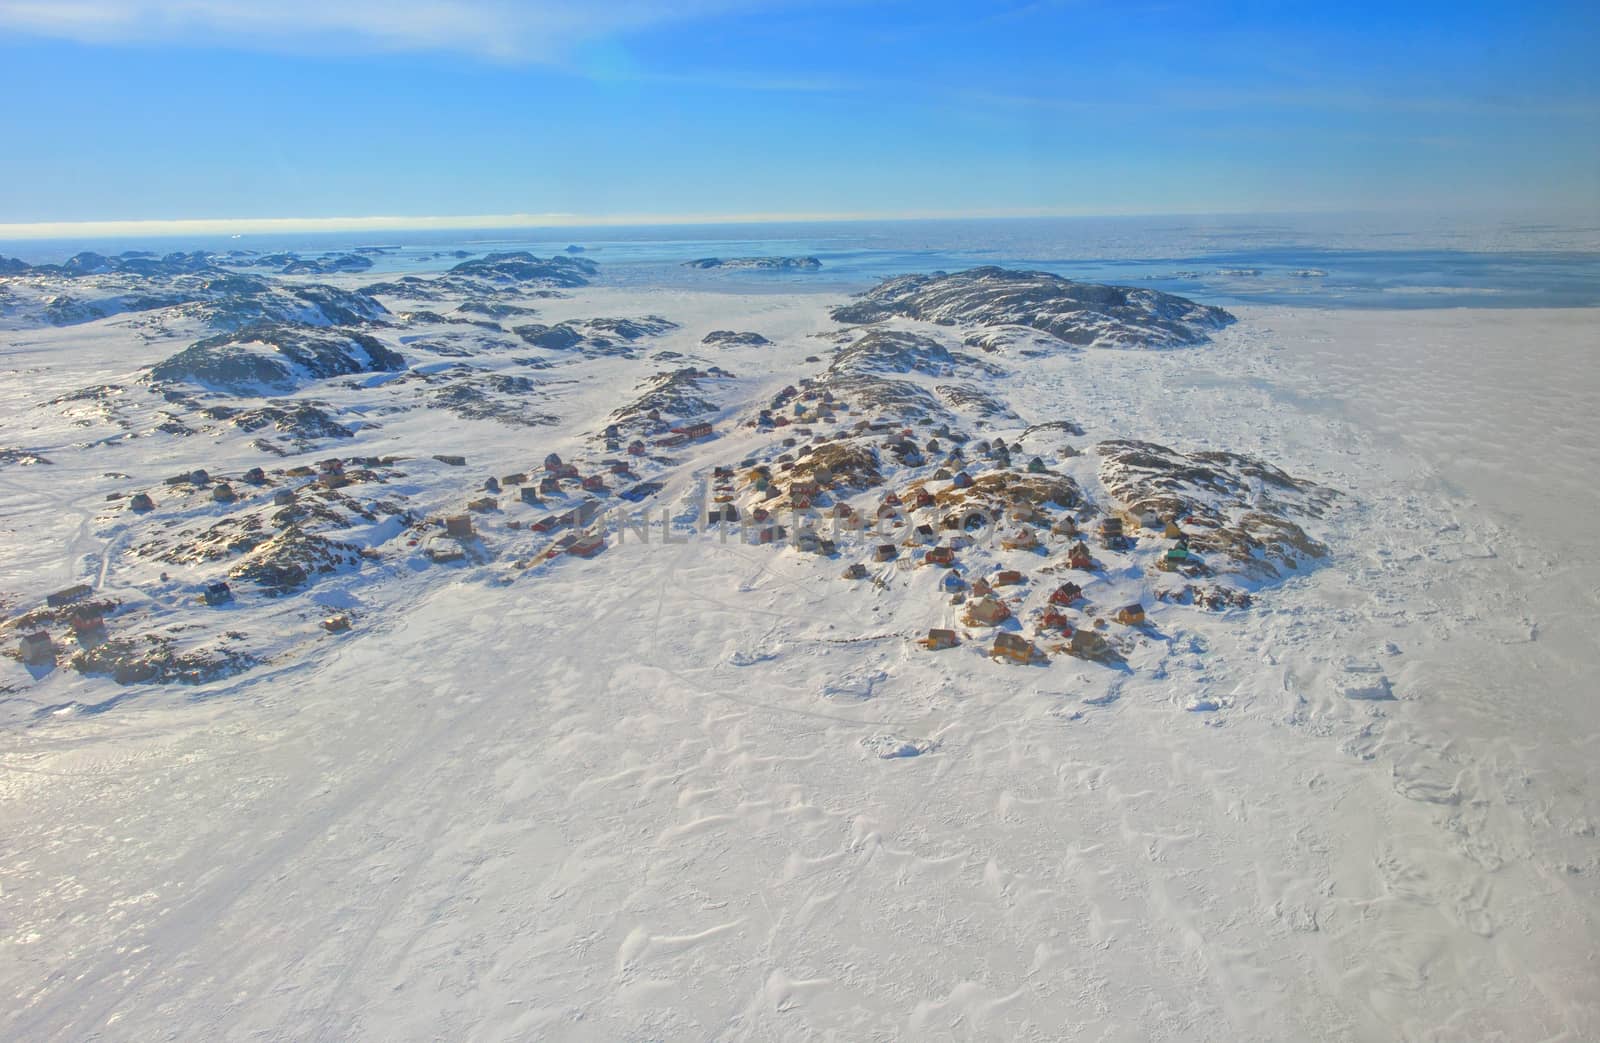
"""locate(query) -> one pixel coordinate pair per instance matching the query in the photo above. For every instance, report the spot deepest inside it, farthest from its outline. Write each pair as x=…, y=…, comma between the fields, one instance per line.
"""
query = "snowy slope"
x=710, y=789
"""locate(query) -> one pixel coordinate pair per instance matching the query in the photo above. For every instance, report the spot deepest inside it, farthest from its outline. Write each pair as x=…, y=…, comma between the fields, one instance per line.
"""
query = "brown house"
x=987, y=611
x=939, y=638
x=1014, y=647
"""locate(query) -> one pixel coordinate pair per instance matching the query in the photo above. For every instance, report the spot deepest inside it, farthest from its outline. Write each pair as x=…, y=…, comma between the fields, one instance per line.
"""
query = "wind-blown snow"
x=705, y=790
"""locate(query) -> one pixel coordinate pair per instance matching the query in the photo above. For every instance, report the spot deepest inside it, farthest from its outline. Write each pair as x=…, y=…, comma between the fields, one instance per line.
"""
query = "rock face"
x=757, y=264
x=1085, y=314
x=1234, y=508
x=274, y=358
x=731, y=339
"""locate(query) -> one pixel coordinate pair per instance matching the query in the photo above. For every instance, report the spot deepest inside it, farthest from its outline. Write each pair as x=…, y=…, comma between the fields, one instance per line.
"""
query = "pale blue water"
x=1323, y=260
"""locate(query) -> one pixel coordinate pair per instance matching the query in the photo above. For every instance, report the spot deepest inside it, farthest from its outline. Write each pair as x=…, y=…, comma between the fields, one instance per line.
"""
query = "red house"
x=698, y=429
x=1066, y=594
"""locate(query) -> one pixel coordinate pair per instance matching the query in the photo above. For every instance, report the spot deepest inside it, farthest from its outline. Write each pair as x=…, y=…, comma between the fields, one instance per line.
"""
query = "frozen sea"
x=1342, y=260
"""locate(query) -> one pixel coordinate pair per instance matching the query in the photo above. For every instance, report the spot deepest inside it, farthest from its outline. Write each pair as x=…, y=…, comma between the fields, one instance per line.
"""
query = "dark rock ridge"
x=673, y=395
x=303, y=421
x=731, y=339
x=273, y=358
x=522, y=267
x=761, y=264
x=1085, y=314
x=492, y=396
x=594, y=336
x=327, y=265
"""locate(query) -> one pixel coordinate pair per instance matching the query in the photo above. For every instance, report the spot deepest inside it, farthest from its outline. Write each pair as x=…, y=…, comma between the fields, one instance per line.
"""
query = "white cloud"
x=504, y=29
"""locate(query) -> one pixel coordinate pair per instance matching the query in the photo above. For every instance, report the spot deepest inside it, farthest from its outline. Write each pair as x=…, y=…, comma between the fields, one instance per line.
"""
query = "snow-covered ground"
x=706, y=790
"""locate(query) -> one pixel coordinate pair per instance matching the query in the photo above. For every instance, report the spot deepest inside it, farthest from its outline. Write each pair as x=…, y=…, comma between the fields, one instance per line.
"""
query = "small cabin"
x=450, y=459
x=483, y=504
x=1078, y=556
x=549, y=486
x=223, y=493
x=952, y=583
x=939, y=638
x=941, y=475
x=36, y=648
x=1111, y=527
x=884, y=552
x=458, y=527
x=1036, y=466
x=586, y=546
x=552, y=462
x=517, y=478
x=940, y=556
x=141, y=502
x=336, y=624
x=594, y=484
x=1065, y=526
x=283, y=498
x=1007, y=578
x=1014, y=647
x=1130, y=615
x=1151, y=520
x=491, y=484
x=922, y=498
x=636, y=448
x=528, y=494
x=1171, y=530
x=963, y=480
x=856, y=571
x=216, y=593
x=255, y=476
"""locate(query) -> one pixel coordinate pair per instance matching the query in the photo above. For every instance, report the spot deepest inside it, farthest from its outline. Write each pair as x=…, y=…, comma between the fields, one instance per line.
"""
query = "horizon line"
x=172, y=227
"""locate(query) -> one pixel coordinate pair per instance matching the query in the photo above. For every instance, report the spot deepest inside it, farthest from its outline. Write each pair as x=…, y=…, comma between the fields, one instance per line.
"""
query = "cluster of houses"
x=931, y=520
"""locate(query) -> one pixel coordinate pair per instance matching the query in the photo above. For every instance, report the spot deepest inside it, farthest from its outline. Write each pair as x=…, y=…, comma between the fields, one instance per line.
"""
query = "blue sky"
x=166, y=109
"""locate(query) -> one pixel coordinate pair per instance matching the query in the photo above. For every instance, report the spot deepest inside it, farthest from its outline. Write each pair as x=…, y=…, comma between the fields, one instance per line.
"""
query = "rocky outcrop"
x=303, y=421
x=289, y=559
x=757, y=264
x=732, y=339
x=273, y=358
x=1239, y=512
x=675, y=395
x=1085, y=314
x=327, y=265
x=897, y=351
x=594, y=336
x=492, y=396
x=524, y=267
